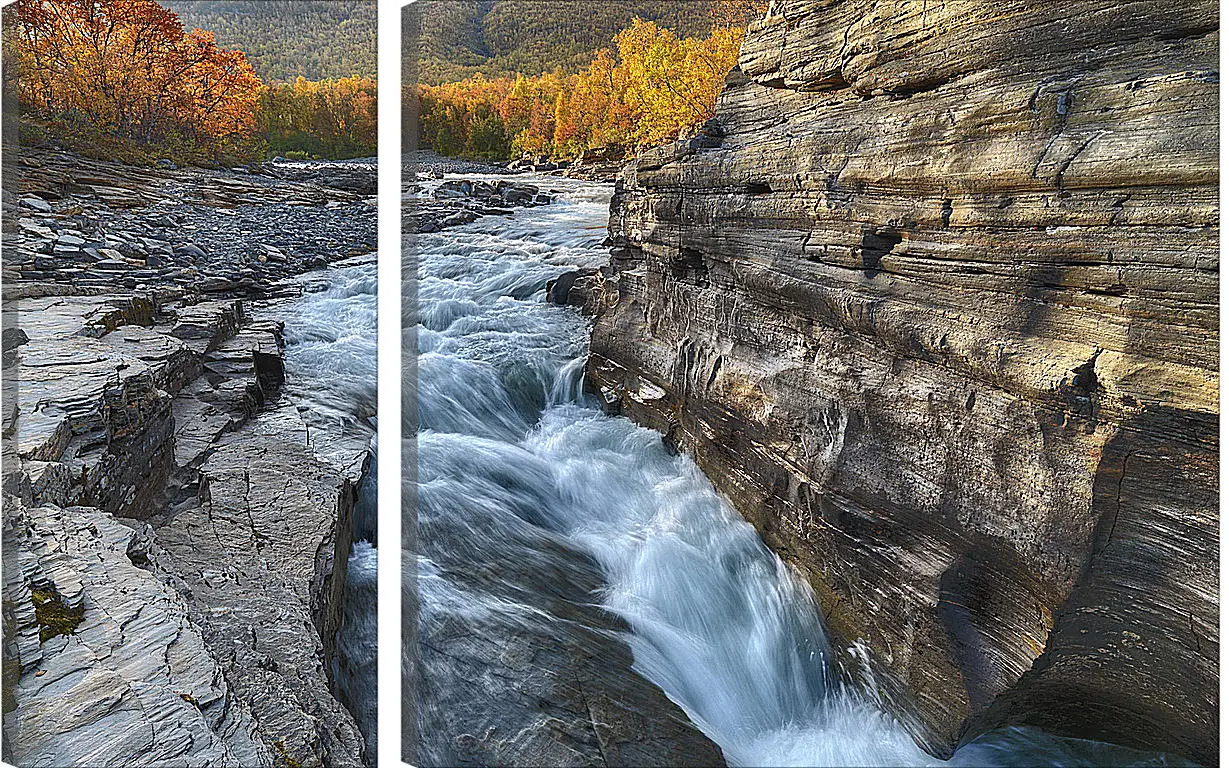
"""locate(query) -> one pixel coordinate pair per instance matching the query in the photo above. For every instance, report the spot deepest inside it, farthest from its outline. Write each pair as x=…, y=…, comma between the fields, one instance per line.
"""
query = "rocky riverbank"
x=86, y=225
x=174, y=546
x=933, y=300
x=431, y=203
x=592, y=165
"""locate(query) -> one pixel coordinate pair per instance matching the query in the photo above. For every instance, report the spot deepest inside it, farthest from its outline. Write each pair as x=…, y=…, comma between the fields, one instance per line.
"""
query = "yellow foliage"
x=646, y=89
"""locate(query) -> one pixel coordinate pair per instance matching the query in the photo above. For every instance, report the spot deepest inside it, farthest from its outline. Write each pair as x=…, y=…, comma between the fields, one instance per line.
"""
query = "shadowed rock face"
x=933, y=301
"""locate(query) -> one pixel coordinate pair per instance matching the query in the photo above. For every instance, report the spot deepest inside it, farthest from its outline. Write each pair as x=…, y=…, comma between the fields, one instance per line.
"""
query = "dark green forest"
x=285, y=39
x=508, y=37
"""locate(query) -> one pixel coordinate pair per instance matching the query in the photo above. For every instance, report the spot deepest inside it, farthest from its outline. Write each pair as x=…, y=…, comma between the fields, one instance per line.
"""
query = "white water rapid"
x=511, y=457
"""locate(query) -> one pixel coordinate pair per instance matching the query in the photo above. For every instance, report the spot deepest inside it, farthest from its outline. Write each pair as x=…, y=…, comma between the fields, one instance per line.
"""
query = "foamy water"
x=508, y=446
x=330, y=352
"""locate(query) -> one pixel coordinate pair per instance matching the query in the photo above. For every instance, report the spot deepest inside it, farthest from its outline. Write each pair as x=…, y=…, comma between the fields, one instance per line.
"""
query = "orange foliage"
x=642, y=92
x=127, y=67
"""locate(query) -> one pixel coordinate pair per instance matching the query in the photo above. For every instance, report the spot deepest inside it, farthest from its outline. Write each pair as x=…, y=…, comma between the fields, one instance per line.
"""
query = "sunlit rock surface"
x=134, y=684
x=174, y=543
x=933, y=300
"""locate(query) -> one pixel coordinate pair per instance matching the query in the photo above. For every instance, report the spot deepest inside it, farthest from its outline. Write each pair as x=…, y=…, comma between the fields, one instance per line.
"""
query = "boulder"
x=36, y=204
x=189, y=251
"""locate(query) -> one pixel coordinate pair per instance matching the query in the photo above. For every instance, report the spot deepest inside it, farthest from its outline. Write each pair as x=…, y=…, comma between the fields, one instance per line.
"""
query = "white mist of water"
x=718, y=622
x=330, y=339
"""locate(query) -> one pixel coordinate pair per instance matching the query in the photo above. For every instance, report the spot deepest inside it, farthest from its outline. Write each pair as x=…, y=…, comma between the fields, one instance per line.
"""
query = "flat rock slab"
x=134, y=684
x=256, y=551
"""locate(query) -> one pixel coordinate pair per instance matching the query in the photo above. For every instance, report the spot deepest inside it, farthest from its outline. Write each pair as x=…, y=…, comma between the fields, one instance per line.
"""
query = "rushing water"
x=509, y=444
x=331, y=374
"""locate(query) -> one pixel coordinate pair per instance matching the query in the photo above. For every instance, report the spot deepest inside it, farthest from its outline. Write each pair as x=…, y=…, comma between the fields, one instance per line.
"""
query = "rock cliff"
x=933, y=300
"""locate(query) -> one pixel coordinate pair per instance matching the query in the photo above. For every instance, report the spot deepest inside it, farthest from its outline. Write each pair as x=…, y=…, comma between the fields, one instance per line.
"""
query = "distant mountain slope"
x=287, y=38
x=498, y=37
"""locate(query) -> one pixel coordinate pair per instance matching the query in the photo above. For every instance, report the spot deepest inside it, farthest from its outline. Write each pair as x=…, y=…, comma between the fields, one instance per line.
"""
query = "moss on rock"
x=54, y=616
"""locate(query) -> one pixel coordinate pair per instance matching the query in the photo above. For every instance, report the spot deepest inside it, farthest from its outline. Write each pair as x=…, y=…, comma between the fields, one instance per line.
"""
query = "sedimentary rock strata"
x=933, y=301
x=134, y=683
x=174, y=545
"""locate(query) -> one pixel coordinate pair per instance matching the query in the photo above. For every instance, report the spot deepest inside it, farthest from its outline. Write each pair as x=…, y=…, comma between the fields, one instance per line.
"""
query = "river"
x=513, y=459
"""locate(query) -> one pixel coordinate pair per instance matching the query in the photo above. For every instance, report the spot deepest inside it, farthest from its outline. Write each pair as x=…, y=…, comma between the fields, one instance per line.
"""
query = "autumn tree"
x=673, y=83
x=646, y=89
x=321, y=118
x=728, y=14
x=127, y=67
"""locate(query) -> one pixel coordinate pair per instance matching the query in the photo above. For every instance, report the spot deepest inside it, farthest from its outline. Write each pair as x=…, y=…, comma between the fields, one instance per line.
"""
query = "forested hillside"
x=507, y=37
x=285, y=39
x=124, y=80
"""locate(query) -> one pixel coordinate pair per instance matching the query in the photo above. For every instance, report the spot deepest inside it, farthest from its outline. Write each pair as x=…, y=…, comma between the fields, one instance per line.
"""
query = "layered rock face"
x=933, y=300
x=174, y=542
x=201, y=632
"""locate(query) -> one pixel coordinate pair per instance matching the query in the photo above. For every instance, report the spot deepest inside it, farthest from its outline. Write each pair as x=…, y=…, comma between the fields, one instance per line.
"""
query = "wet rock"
x=453, y=189
x=460, y=201
x=459, y=218
x=12, y=339
x=574, y=288
x=520, y=194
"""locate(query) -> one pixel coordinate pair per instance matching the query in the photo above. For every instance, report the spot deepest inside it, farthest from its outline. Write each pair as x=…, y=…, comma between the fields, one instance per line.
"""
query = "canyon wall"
x=933, y=301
